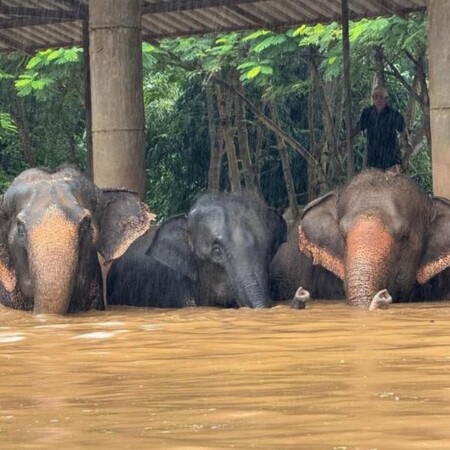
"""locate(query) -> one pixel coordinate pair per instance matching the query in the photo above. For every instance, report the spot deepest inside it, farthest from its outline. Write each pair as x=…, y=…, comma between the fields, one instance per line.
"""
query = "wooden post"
x=439, y=73
x=116, y=91
x=347, y=88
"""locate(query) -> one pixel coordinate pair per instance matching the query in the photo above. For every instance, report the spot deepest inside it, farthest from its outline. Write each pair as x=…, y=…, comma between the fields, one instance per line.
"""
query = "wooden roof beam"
x=75, y=4
x=389, y=7
x=40, y=13
x=249, y=16
x=184, y=5
x=16, y=45
x=18, y=23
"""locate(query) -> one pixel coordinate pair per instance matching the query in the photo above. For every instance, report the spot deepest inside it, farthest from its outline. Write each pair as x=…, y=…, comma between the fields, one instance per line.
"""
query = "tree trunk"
x=426, y=99
x=233, y=170
x=380, y=78
x=327, y=147
x=17, y=111
x=271, y=125
x=287, y=174
x=250, y=179
x=312, y=178
x=259, y=142
x=215, y=149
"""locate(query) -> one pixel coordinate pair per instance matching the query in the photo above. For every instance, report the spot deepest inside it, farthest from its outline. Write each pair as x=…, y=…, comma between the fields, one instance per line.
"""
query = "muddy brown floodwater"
x=328, y=377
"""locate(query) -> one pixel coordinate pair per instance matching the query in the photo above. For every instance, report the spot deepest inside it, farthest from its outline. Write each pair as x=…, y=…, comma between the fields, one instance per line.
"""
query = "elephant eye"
x=3, y=214
x=21, y=232
x=403, y=234
x=85, y=226
x=217, y=252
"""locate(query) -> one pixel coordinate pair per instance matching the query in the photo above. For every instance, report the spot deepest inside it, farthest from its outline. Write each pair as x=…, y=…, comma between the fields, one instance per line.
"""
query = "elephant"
x=378, y=234
x=291, y=269
x=52, y=224
x=218, y=254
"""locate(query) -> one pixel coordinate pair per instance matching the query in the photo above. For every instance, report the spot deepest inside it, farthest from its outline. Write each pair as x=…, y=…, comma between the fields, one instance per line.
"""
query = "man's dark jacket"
x=383, y=149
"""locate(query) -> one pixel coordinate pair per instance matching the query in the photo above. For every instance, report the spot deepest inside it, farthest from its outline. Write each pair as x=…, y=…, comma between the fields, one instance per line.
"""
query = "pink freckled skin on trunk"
x=53, y=260
x=369, y=250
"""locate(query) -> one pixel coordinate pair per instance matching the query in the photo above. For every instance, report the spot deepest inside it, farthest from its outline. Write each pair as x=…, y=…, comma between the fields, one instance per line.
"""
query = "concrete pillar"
x=439, y=64
x=116, y=94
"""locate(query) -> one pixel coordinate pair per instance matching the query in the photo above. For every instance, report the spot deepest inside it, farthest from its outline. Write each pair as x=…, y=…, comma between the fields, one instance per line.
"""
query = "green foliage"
x=320, y=36
x=271, y=66
x=47, y=67
x=5, y=181
x=420, y=170
x=27, y=83
x=7, y=124
x=44, y=93
x=177, y=151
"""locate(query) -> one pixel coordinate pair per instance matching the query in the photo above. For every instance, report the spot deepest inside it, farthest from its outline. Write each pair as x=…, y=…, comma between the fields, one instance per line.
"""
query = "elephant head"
x=233, y=238
x=52, y=224
x=216, y=255
x=379, y=232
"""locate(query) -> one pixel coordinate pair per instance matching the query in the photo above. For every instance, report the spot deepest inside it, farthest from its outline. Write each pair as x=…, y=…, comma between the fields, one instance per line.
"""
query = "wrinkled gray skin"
x=291, y=269
x=52, y=224
x=216, y=255
x=378, y=232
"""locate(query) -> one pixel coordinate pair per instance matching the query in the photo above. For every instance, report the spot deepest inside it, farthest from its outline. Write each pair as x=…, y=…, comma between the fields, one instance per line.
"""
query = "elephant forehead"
x=210, y=220
x=53, y=227
x=38, y=197
x=372, y=202
x=369, y=232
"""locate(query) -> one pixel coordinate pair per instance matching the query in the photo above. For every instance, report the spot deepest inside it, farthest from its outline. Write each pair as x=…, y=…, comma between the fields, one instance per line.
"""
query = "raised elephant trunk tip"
x=381, y=300
x=301, y=296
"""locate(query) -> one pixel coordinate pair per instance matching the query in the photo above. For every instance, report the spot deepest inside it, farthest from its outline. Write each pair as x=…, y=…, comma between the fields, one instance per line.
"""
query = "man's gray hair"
x=380, y=89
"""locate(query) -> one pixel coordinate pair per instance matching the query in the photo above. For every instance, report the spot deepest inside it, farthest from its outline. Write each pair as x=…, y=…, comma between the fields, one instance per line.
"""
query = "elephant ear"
x=172, y=247
x=277, y=228
x=436, y=256
x=7, y=274
x=319, y=236
x=123, y=218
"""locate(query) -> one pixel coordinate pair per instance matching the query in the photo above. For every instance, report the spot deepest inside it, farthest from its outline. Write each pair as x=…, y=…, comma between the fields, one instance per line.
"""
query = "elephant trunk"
x=369, y=250
x=53, y=259
x=252, y=288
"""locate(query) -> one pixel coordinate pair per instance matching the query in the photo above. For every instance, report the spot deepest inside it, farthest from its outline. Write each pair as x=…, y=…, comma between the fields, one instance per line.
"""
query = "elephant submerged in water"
x=380, y=232
x=216, y=255
x=52, y=224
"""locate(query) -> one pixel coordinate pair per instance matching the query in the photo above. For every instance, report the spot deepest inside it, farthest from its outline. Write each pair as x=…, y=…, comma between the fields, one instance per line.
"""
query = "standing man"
x=382, y=125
